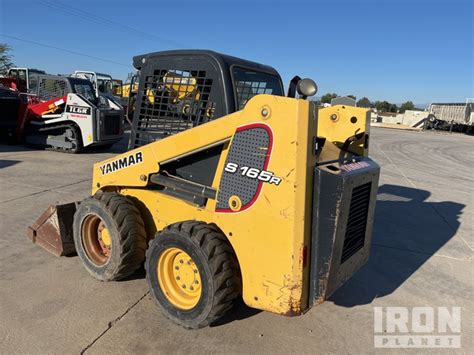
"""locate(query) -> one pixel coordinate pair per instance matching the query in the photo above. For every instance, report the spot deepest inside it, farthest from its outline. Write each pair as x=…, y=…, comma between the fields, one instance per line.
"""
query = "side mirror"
x=306, y=87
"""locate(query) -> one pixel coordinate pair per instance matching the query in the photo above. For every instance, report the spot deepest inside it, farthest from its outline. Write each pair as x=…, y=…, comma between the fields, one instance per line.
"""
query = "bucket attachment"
x=53, y=229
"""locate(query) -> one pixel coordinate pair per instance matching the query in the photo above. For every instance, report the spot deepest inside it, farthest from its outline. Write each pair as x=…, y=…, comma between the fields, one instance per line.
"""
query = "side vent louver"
x=357, y=221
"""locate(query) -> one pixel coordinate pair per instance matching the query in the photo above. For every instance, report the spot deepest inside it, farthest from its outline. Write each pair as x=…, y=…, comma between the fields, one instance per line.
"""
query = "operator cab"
x=103, y=84
x=84, y=88
x=25, y=78
x=182, y=89
x=54, y=86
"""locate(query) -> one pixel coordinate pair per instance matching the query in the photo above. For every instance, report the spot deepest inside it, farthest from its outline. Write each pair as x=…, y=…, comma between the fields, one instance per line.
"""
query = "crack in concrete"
x=440, y=215
x=54, y=189
x=112, y=323
x=469, y=260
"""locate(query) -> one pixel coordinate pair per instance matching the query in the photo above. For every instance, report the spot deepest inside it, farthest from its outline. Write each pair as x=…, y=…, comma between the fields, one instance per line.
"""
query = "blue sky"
x=415, y=50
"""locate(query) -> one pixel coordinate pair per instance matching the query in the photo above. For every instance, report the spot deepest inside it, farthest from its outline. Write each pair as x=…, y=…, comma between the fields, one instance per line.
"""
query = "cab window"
x=248, y=83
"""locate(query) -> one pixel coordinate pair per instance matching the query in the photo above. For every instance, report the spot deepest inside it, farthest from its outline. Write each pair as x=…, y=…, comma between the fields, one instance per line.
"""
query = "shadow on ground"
x=6, y=147
x=239, y=311
x=7, y=163
x=408, y=230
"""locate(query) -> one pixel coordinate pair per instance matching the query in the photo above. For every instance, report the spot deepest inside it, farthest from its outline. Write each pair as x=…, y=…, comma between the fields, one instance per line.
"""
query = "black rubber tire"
x=217, y=265
x=127, y=232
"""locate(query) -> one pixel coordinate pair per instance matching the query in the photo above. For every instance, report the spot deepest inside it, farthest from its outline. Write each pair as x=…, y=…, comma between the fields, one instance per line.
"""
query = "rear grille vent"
x=111, y=125
x=357, y=221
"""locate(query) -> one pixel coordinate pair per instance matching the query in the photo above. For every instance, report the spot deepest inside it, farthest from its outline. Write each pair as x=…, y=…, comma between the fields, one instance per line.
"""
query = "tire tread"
x=222, y=261
x=131, y=229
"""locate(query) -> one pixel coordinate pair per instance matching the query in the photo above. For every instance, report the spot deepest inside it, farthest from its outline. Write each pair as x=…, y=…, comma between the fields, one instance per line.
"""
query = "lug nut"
x=184, y=286
x=176, y=267
x=178, y=278
x=191, y=288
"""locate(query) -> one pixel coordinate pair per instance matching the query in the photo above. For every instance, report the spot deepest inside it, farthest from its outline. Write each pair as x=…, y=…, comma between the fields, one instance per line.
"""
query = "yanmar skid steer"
x=229, y=188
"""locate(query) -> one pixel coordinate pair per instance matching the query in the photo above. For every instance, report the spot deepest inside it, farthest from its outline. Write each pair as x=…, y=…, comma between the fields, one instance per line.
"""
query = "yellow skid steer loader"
x=229, y=188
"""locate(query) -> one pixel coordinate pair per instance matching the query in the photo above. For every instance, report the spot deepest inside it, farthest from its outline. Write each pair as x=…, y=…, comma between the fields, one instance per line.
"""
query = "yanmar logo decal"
x=122, y=163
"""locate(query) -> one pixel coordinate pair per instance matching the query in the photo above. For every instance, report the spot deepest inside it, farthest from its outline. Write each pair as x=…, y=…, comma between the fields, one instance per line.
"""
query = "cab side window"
x=33, y=84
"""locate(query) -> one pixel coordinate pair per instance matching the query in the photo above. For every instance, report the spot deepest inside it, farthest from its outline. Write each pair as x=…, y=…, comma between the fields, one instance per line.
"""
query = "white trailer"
x=455, y=116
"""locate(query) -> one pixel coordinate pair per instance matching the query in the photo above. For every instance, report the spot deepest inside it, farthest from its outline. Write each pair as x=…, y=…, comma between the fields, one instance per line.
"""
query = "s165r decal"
x=253, y=173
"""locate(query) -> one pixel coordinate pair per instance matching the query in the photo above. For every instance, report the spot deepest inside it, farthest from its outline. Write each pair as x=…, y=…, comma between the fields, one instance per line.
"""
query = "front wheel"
x=109, y=236
x=192, y=273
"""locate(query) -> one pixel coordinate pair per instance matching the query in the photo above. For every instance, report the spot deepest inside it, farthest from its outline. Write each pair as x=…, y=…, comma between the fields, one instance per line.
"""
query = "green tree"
x=365, y=102
x=352, y=97
x=382, y=106
x=5, y=58
x=407, y=106
x=385, y=106
x=326, y=98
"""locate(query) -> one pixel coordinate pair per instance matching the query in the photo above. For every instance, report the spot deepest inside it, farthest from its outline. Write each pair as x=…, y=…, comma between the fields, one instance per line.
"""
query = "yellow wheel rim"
x=105, y=236
x=179, y=278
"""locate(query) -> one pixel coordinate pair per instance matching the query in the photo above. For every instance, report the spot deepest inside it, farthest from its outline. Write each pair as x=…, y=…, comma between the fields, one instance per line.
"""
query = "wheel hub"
x=96, y=239
x=179, y=278
x=104, y=239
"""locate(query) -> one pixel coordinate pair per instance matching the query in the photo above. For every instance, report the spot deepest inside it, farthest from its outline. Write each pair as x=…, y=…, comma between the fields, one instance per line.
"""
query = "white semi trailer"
x=458, y=117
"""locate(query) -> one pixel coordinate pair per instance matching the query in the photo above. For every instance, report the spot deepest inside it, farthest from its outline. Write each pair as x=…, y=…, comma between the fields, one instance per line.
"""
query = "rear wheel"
x=109, y=236
x=60, y=138
x=192, y=273
x=73, y=135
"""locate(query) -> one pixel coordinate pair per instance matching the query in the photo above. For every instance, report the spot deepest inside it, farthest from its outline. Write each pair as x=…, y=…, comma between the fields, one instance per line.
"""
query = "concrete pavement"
x=422, y=255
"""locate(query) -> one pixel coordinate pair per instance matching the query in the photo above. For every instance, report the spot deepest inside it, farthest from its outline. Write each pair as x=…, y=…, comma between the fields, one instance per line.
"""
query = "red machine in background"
x=13, y=106
x=58, y=113
x=17, y=109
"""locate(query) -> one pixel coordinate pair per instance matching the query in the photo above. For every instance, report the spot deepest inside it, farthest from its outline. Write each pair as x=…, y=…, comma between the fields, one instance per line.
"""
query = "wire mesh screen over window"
x=51, y=89
x=249, y=83
x=173, y=101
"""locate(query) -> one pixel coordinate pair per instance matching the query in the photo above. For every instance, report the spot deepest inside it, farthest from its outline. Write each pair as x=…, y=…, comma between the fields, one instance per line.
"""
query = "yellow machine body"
x=338, y=123
x=270, y=237
x=124, y=90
